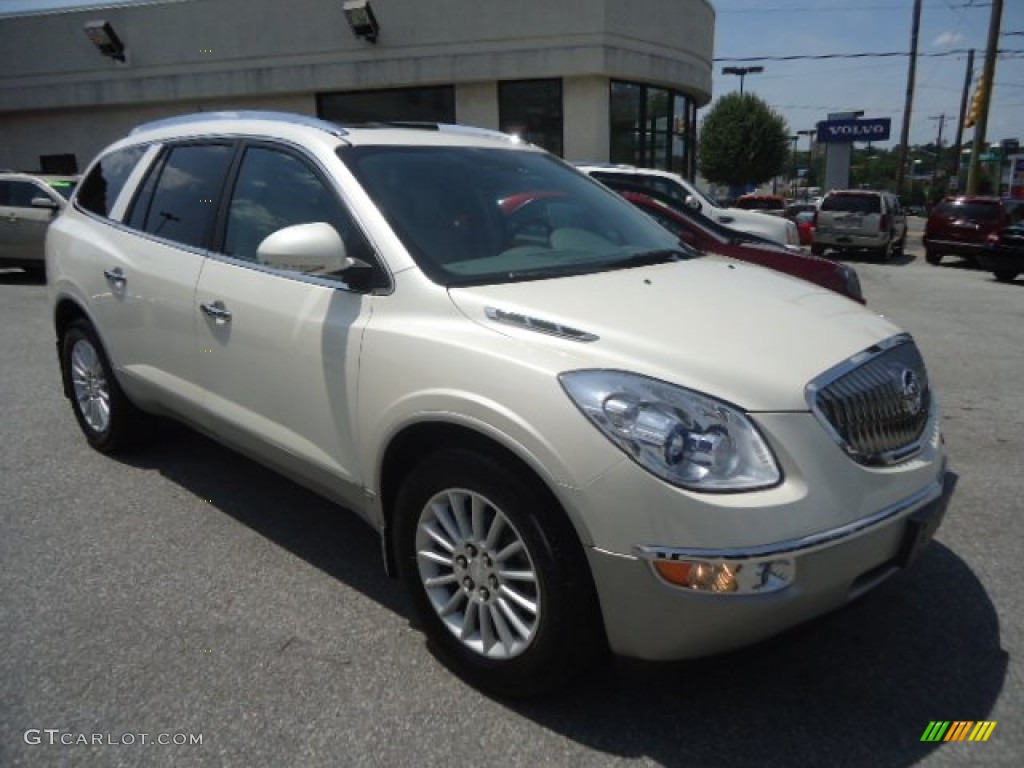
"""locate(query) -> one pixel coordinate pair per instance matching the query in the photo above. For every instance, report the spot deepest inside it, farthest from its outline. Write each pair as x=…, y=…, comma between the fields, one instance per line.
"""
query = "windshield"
x=479, y=215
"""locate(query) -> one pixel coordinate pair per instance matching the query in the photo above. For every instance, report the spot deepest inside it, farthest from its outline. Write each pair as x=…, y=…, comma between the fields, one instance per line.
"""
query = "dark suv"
x=960, y=226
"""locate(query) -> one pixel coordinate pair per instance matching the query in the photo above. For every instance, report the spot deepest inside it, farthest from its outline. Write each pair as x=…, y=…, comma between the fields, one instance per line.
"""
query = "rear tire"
x=885, y=253
x=932, y=257
x=496, y=573
x=1005, y=275
x=109, y=421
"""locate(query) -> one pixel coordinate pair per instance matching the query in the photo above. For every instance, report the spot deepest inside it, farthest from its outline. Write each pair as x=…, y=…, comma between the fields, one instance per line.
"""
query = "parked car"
x=1003, y=255
x=802, y=214
x=685, y=193
x=698, y=231
x=569, y=432
x=28, y=204
x=852, y=220
x=961, y=225
x=770, y=204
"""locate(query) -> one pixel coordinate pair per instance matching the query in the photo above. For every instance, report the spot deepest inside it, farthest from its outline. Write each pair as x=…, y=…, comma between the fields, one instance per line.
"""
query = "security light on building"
x=105, y=39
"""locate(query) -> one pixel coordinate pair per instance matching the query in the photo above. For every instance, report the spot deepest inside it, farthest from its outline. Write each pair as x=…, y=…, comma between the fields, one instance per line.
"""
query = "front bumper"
x=647, y=618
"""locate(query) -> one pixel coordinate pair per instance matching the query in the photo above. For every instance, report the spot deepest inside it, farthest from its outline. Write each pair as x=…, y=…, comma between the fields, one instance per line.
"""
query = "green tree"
x=742, y=141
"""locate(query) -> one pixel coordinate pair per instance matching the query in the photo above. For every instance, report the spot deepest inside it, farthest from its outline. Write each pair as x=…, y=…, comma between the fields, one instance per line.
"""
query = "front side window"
x=276, y=189
x=475, y=216
x=19, y=194
x=106, y=179
x=180, y=199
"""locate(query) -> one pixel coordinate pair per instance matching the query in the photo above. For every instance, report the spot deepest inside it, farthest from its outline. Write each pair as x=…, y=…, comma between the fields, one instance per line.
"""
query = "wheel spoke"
x=469, y=620
x=529, y=576
x=440, y=581
x=478, y=507
x=504, y=632
x=435, y=557
x=514, y=548
x=441, y=514
x=497, y=525
x=530, y=606
x=453, y=603
x=522, y=629
x=438, y=537
x=487, y=636
x=457, y=504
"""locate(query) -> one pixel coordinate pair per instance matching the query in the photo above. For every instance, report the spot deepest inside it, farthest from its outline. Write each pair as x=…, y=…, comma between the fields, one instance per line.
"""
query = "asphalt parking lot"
x=184, y=591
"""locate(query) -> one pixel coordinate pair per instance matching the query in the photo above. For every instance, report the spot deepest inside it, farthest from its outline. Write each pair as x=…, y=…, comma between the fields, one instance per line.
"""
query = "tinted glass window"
x=275, y=190
x=532, y=109
x=852, y=203
x=105, y=181
x=186, y=193
x=19, y=194
x=978, y=211
x=472, y=216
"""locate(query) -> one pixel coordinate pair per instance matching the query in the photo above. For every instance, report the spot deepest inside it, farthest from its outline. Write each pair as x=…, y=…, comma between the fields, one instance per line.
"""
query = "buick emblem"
x=910, y=392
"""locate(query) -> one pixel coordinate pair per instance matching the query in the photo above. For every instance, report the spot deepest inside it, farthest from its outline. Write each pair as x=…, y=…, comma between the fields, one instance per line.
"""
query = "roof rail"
x=243, y=114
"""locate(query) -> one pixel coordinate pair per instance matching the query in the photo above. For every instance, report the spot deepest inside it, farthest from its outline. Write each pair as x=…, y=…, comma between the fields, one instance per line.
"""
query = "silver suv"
x=28, y=204
x=860, y=220
x=510, y=373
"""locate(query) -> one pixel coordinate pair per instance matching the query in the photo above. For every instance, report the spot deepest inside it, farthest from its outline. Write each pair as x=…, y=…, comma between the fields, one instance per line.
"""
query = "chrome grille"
x=876, y=404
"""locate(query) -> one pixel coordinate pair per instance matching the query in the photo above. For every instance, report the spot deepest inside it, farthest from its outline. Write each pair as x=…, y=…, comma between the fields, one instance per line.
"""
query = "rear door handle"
x=115, y=276
x=217, y=311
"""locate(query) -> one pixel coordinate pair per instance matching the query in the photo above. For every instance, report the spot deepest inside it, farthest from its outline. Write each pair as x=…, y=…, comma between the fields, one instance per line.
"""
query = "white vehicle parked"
x=772, y=227
x=571, y=432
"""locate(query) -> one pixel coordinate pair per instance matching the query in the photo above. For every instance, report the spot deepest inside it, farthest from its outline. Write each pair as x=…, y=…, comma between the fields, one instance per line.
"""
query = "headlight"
x=683, y=437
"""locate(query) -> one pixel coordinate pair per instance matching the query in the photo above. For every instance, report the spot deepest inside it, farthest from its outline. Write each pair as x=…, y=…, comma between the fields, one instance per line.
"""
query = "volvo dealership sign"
x=846, y=131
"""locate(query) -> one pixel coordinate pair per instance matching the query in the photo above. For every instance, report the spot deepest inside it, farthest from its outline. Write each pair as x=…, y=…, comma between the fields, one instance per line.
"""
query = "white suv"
x=571, y=433
x=774, y=228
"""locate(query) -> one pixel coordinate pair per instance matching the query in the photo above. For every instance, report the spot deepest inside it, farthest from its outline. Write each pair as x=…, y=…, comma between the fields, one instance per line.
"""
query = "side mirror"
x=313, y=249
x=44, y=202
x=693, y=202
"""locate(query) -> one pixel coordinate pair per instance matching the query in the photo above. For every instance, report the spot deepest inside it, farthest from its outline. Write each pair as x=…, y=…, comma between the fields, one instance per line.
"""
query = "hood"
x=725, y=328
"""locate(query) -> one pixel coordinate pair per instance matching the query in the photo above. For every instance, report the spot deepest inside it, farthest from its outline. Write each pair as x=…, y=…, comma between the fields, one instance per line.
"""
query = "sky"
x=805, y=91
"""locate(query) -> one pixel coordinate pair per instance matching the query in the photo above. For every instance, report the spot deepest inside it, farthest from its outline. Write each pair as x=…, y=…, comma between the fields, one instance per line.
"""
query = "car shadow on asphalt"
x=857, y=687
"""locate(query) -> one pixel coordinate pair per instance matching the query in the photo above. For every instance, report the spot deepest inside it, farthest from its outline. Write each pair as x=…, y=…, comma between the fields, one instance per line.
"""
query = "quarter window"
x=107, y=178
x=184, y=198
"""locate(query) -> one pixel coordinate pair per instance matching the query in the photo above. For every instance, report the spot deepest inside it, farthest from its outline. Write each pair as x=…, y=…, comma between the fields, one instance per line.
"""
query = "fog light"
x=721, y=578
x=705, y=577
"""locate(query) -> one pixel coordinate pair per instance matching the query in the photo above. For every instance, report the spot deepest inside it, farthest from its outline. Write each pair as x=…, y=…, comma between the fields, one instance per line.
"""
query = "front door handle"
x=116, y=277
x=217, y=311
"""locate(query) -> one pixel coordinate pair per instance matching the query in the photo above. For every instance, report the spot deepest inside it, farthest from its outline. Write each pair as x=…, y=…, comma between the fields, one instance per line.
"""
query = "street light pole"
x=742, y=72
x=810, y=134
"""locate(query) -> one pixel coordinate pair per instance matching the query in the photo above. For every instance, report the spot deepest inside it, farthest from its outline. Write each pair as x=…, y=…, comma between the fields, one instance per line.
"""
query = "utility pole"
x=938, y=157
x=954, y=166
x=987, y=77
x=908, y=106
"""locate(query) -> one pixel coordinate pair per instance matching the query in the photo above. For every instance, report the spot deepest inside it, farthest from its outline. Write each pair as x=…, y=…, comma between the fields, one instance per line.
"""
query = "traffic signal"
x=977, y=104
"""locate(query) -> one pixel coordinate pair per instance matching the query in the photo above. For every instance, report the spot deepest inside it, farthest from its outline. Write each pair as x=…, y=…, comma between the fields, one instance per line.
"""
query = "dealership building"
x=595, y=80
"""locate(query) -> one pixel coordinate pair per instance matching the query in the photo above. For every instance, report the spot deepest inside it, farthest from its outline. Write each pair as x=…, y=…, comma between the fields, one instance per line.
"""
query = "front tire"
x=496, y=574
x=106, y=417
x=932, y=257
x=1005, y=275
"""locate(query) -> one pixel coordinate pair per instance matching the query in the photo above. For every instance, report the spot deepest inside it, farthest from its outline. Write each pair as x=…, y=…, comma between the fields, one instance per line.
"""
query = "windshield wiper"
x=657, y=256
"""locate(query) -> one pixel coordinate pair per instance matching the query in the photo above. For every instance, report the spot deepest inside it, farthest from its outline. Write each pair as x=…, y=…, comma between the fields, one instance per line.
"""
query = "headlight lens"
x=686, y=438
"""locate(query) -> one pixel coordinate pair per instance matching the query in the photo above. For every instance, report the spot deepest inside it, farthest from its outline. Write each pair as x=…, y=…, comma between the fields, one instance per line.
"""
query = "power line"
x=869, y=55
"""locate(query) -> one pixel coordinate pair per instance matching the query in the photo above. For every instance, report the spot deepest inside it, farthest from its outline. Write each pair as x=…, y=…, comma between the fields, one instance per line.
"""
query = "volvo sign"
x=846, y=131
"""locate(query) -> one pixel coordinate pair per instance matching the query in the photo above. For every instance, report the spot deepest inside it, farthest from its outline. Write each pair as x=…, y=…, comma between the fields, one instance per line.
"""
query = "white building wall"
x=58, y=94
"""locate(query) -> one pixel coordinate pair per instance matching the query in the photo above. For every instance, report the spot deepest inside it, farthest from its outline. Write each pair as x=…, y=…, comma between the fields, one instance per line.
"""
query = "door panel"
x=280, y=372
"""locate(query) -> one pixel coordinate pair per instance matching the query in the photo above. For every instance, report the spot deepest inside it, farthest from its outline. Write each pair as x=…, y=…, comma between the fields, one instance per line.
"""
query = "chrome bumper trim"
x=804, y=544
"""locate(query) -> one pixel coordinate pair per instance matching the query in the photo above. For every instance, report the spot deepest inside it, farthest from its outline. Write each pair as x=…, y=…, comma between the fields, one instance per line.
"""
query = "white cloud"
x=948, y=38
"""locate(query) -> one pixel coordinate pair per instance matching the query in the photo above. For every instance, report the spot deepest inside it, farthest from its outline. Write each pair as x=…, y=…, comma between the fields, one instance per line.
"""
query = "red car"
x=703, y=234
x=960, y=226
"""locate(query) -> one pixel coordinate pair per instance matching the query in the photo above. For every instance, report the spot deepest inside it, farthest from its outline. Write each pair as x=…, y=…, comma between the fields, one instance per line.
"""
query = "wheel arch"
x=415, y=441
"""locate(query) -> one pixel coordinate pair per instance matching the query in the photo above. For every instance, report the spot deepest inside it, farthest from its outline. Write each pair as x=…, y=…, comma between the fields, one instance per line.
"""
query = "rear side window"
x=852, y=203
x=976, y=211
x=179, y=200
x=19, y=194
x=104, y=182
